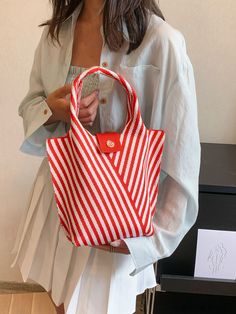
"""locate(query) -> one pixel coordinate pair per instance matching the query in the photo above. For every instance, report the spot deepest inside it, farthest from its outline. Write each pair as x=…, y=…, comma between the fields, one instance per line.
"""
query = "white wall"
x=19, y=35
x=209, y=28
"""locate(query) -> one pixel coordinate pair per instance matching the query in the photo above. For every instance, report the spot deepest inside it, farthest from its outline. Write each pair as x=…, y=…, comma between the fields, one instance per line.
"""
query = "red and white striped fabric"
x=106, y=185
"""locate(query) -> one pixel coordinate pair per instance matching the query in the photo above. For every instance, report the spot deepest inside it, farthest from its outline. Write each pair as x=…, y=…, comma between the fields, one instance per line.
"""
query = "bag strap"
x=133, y=107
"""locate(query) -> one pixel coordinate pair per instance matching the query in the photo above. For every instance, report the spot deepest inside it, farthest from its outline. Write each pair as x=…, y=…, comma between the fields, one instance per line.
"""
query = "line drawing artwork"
x=216, y=258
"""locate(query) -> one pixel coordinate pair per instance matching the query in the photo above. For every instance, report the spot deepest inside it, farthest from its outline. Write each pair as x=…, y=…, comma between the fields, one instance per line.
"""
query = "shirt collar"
x=74, y=17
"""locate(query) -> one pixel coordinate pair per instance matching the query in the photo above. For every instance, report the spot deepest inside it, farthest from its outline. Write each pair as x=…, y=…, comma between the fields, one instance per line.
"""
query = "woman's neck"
x=91, y=11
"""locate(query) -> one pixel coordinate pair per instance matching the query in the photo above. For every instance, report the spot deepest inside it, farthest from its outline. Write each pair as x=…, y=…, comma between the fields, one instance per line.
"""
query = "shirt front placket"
x=105, y=86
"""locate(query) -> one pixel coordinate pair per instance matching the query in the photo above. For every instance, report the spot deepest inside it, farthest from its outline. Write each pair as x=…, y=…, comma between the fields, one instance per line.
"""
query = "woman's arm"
x=171, y=222
x=177, y=202
x=35, y=110
x=45, y=117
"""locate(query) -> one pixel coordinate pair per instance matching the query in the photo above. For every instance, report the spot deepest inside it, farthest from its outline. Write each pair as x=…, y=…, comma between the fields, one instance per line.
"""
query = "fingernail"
x=116, y=243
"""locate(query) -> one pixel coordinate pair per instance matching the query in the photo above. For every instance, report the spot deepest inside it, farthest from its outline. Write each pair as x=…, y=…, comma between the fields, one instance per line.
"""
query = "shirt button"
x=105, y=64
x=45, y=111
x=103, y=101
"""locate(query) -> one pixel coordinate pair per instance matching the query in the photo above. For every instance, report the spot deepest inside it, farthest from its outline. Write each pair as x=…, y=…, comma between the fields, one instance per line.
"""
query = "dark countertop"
x=218, y=168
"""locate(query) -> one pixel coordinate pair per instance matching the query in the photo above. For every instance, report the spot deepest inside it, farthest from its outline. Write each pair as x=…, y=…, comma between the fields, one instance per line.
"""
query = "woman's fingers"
x=60, y=105
x=88, y=112
x=88, y=116
x=88, y=100
x=88, y=121
x=62, y=91
x=121, y=247
x=102, y=247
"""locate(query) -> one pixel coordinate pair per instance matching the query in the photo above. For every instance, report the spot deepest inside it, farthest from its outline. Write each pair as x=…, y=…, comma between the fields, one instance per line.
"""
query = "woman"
x=129, y=37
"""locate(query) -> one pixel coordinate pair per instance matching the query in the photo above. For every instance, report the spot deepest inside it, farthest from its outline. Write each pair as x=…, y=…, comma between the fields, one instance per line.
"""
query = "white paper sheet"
x=216, y=254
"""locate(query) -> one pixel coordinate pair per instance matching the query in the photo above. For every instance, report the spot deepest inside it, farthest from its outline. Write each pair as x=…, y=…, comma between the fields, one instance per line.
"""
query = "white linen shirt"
x=162, y=75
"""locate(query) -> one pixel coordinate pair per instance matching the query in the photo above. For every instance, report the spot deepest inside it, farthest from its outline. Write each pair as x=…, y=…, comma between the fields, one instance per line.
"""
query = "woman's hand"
x=60, y=106
x=88, y=108
x=119, y=245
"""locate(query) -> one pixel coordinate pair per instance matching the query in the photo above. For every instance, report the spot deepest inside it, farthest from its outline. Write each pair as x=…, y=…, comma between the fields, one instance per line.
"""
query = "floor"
x=26, y=303
x=36, y=303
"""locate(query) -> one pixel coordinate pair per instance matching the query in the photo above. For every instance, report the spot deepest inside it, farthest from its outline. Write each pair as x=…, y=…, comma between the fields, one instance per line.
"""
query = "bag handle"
x=133, y=107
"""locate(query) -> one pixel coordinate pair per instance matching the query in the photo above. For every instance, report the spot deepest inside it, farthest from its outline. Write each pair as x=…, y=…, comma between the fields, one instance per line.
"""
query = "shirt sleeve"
x=177, y=201
x=35, y=111
x=168, y=225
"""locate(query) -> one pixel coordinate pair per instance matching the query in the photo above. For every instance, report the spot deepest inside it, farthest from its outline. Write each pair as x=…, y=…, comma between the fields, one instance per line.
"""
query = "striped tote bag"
x=105, y=185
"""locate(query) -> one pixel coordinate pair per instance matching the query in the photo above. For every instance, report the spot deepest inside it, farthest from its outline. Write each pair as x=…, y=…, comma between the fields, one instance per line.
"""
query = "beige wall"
x=209, y=28
x=19, y=35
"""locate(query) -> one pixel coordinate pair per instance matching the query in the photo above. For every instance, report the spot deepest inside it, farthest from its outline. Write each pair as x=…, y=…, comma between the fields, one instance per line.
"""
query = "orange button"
x=45, y=111
x=103, y=101
x=110, y=143
x=104, y=64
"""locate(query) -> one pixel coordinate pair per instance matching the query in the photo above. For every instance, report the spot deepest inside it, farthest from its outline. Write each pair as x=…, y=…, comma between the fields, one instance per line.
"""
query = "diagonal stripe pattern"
x=102, y=197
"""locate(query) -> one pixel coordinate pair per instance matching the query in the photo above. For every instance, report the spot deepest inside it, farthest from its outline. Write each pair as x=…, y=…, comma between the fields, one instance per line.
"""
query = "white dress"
x=86, y=279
